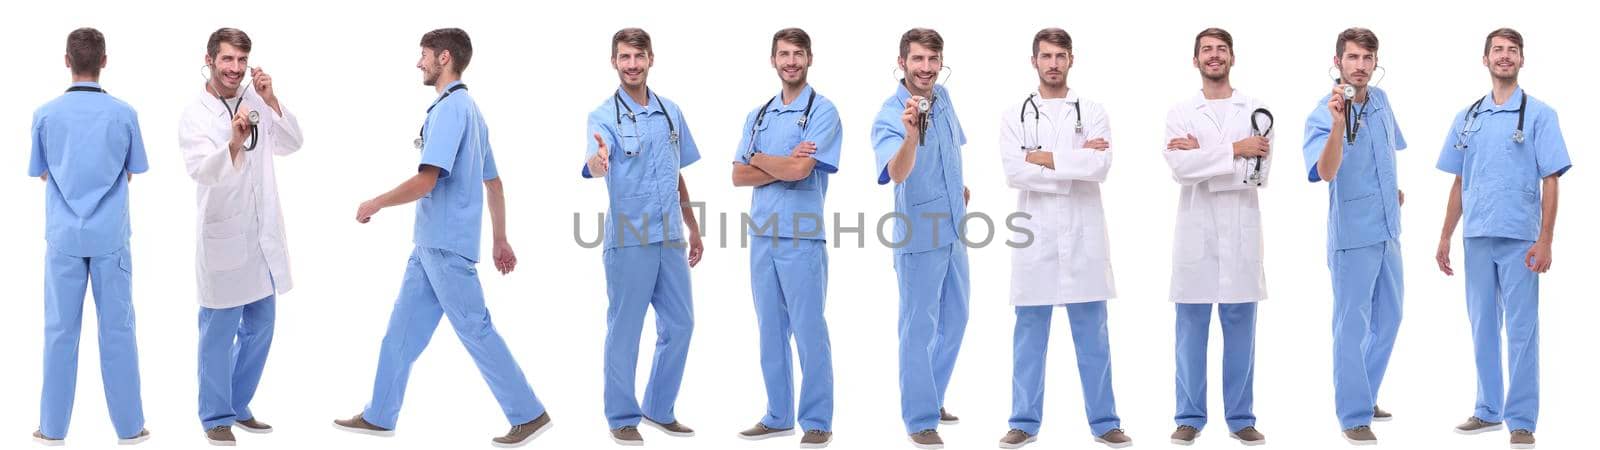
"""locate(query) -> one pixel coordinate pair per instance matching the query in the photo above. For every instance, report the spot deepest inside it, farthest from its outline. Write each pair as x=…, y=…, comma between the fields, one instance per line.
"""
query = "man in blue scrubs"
x=1354, y=150
x=790, y=147
x=86, y=148
x=639, y=142
x=921, y=153
x=1504, y=149
x=442, y=276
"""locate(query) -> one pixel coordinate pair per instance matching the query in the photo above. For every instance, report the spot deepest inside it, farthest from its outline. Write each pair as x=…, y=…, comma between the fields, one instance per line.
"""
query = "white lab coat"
x=1069, y=258
x=240, y=249
x=1216, y=257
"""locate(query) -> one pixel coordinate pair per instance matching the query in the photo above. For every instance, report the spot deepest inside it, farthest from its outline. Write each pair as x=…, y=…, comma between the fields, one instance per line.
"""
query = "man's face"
x=1356, y=65
x=1052, y=62
x=1504, y=59
x=432, y=65
x=922, y=66
x=228, y=66
x=1215, y=59
x=792, y=62
x=632, y=64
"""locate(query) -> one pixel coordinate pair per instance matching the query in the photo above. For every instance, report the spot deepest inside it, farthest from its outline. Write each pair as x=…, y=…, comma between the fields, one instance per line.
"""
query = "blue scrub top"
x=1363, y=199
x=788, y=203
x=455, y=140
x=87, y=141
x=1500, y=178
x=931, y=198
x=643, y=188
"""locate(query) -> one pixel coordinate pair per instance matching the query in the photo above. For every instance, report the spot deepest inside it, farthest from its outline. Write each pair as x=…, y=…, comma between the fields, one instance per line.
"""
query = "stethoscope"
x=762, y=116
x=254, y=117
x=419, y=141
x=1022, y=117
x=1257, y=129
x=620, y=106
x=1472, y=116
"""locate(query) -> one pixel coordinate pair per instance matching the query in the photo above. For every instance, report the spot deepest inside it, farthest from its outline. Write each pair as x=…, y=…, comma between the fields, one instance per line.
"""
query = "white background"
x=347, y=71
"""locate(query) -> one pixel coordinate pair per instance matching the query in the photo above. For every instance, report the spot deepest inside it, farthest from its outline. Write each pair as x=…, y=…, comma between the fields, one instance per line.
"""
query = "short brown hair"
x=795, y=36
x=1362, y=37
x=453, y=40
x=1507, y=33
x=232, y=36
x=634, y=37
x=86, y=47
x=925, y=36
x=1056, y=36
x=1213, y=32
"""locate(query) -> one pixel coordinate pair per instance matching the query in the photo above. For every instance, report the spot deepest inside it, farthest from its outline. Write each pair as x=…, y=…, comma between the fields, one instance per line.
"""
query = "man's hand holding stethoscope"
x=1336, y=109
x=910, y=118
x=600, y=163
x=241, y=129
x=1252, y=147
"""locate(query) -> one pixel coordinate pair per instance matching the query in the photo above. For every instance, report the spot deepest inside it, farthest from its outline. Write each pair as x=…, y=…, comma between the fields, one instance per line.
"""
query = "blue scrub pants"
x=233, y=351
x=789, y=280
x=1368, y=289
x=442, y=283
x=637, y=278
x=933, y=318
x=1238, y=363
x=1501, y=289
x=1092, y=343
x=66, y=278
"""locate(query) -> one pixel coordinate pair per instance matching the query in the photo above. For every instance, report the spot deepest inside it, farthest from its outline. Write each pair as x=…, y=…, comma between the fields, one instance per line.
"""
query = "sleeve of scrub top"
x=1191, y=167
x=490, y=170
x=688, y=153
x=1085, y=164
x=447, y=131
x=37, y=164
x=286, y=135
x=205, y=157
x=1399, y=138
x=1550, y=148
x=1021, y=174
x=597, y=126
x=887, y=135
x=824, y=130
x=1318, y=126
x=741, y=155
x=1451, y=159
x=136, y=162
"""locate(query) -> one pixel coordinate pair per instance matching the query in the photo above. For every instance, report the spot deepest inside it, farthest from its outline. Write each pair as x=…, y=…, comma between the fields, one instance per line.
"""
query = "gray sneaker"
x=1521, y=439
x=1379, y=415
x=221, y=435
x=676, y=428
x=947, y=418
x=1185, y=435
x=1249, y=436
x=1474, y=425
x=762, y=431
x=521, y=434
x=360, y=425
x=143, y=435
x=927, y=440
x=628, y=436
x=1016, y=439
x=816, y=439
x=38, y=436
x=254, y=426
x=1360, y=435
x=1115, y=438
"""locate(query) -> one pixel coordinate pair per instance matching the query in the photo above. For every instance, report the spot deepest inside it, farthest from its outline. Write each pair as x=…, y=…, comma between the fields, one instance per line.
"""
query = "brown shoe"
x=360, y=425
x=1185, y=435
x=947, y=418
x=762, y=431
x=1379, y=415
x=1474, y=425
x=1016, y=439
x=221, y=435
x=521, y=434
x=1115, y=438
x=816, y=439
x=1521, y=439
x=1249, y=436
x=143, y=435
x=1360, y=435
x=926, y=440
x=38, y=436
x=628, y=435
x=676, y=428
x=254, y=426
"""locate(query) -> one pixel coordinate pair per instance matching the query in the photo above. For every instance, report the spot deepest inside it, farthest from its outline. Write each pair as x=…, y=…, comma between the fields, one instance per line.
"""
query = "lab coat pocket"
x=1250, y=237
x=223, y=244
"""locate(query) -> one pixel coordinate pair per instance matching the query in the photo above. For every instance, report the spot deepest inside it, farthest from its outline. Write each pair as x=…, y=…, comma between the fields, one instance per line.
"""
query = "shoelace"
x=1361, y=428
x=816, y=432
x=927, y=432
